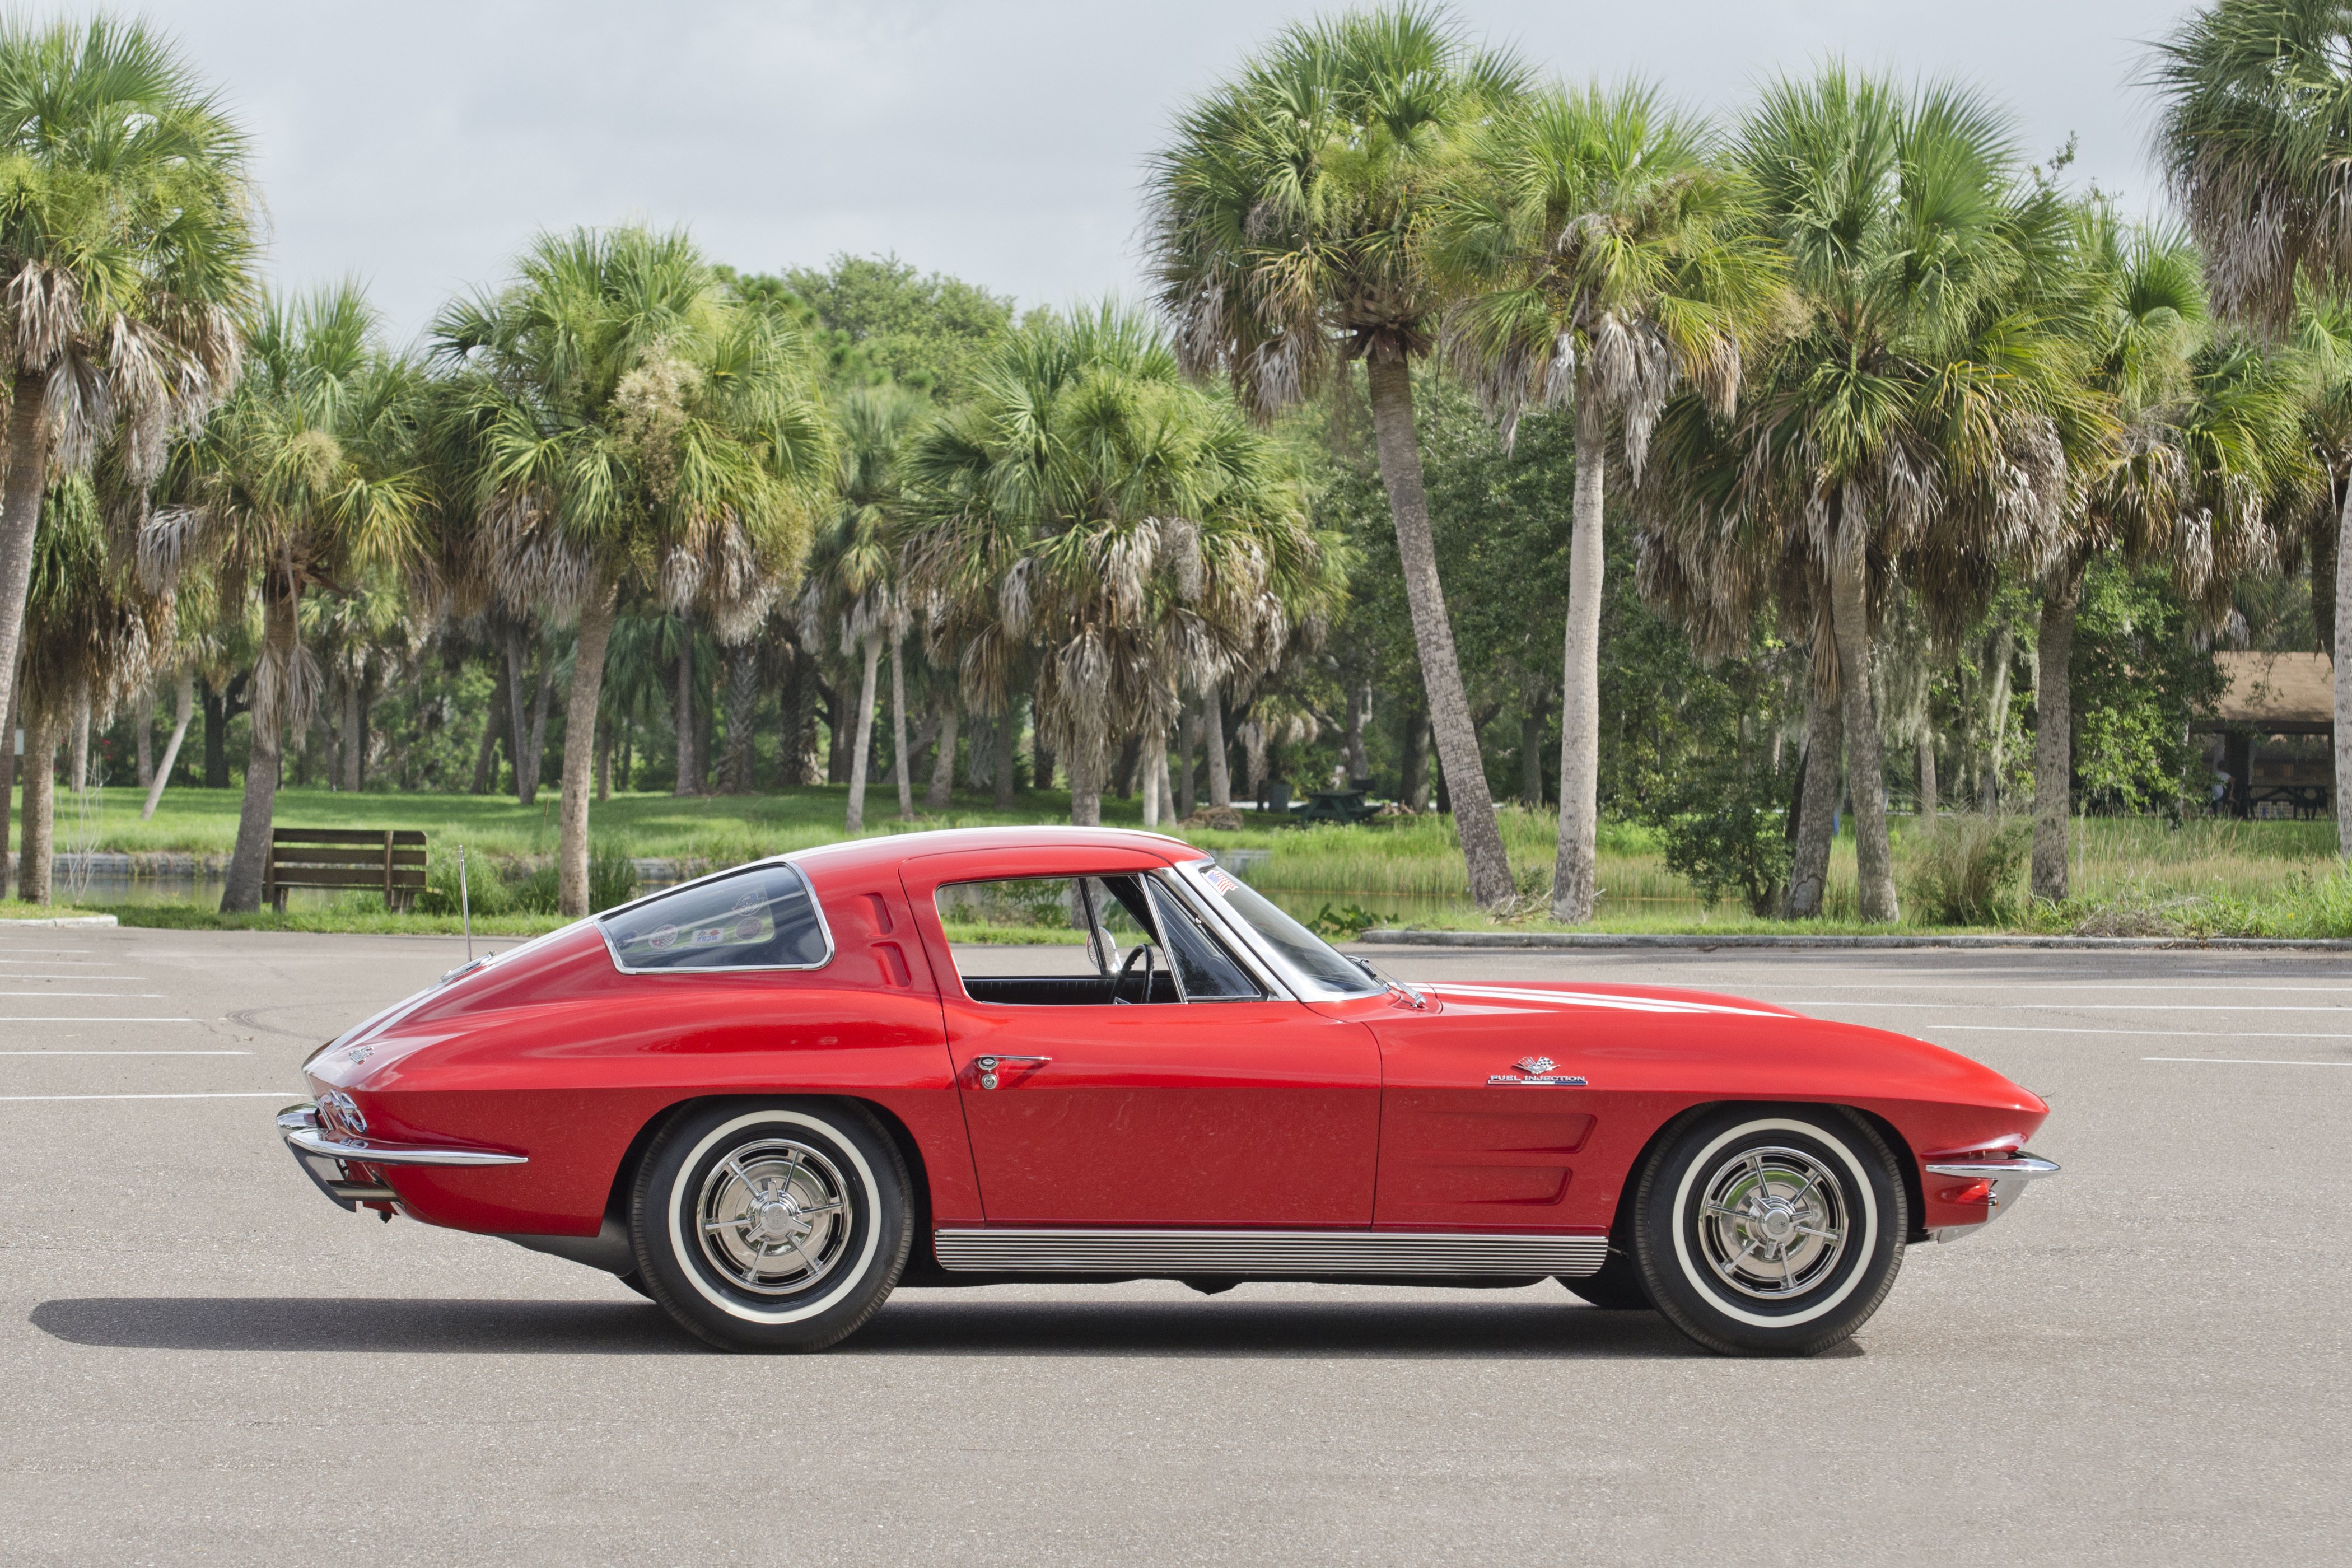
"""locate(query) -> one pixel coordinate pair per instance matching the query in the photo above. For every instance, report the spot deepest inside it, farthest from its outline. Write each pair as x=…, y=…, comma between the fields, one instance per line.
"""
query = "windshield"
x=1309, y=957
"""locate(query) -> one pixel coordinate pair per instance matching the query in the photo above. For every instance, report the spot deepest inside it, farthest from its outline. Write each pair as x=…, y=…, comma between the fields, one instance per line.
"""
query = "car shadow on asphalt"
x=925, y=1324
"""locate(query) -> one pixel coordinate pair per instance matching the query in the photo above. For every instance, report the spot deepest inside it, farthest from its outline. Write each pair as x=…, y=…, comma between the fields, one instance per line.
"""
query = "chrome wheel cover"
x=1773, y=1223
x=773, y=1216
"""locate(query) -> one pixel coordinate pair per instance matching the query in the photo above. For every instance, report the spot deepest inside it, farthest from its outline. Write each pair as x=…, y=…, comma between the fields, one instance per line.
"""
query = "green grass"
x=16, y=910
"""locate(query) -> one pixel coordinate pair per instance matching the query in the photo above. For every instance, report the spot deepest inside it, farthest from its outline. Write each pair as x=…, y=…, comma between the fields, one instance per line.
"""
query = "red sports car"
x=767, y=1098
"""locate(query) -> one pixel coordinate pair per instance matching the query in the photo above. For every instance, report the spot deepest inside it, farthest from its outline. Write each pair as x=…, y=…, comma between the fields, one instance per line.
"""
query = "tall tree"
x=306, y=477
x=1291, y=230
x=627, y=426
x=127, y=253
x=2253, y=133
x=1609, y=261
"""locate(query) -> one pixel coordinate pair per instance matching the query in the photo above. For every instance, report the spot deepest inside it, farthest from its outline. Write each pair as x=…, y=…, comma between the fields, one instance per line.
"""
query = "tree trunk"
x=1573, y=872
x=1220, y=769
x=1531, y=728
x=1808, y=872
x=143, y=724
x=1413, y=774
x=1154, y=766
x=689, y=771
x=249, y=861
x=1865, y=771
x=1089, y=754
x=518, y=721
x=863, y=749
x=936, y=798
x=8, y=781
x=355, y=735
x=33, y=860
x=579, y=750
x=80, y=754
x=1929, y=804
x=1488, y=862
x=2054, y=736
x=1188, y=739
x=2342, y=642
x=901, y=770
x=486, y=758
x=535, y=746
x=187, y=702
x=743, y=703
x=2324, y=554
x=1359, y=713
x=20, y=516
x=1008, y=735
x=604, y=766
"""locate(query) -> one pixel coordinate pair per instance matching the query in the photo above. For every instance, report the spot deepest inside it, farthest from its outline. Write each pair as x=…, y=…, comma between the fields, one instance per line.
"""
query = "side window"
x=763, y=917
x=1056, y=940
x=1209, y=971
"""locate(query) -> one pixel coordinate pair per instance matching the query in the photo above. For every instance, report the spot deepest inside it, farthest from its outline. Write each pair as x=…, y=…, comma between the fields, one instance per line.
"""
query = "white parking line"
x=115, y=995
x=11, y=975
x=2246, y=1061
x=227, y=1094
x=2075, y=1006
x=85, y=1018
x=2142, y=1034
x=2021, y=984
x=125, y=1053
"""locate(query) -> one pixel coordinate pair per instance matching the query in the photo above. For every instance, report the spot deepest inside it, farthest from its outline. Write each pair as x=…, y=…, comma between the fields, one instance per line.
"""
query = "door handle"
x=988, y=1066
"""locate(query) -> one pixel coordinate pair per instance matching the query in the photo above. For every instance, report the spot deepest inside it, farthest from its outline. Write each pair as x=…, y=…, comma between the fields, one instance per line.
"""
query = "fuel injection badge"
x=1535, y=1072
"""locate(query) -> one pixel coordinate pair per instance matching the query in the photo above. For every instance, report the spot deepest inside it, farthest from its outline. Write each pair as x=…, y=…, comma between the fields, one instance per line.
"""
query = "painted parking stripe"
x=87, y=1018
x=2082, y=1006
x=2246, y=1061
x=219, y=1094
x=2144, y=1034
x=108, y=995
x=125, y=1053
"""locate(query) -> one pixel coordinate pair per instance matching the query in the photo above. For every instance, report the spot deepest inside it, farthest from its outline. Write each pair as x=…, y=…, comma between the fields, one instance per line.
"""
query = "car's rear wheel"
x=777, y=1226
x=1770, y=1230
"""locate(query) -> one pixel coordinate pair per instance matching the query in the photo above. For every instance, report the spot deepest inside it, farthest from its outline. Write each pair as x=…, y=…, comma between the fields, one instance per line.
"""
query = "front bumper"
x=2006, y=1178
x=347, y=1169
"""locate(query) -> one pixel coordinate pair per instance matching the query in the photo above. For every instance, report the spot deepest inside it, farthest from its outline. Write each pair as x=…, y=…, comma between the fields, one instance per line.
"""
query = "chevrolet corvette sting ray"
x=768, y=1098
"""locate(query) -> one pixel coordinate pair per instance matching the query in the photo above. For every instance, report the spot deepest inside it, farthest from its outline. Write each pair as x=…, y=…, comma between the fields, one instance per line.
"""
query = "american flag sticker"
x=1217, y=876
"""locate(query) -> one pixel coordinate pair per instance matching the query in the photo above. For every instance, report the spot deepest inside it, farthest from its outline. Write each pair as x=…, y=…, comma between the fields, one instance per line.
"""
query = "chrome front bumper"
x=339, y=1165
x=2009, y=1174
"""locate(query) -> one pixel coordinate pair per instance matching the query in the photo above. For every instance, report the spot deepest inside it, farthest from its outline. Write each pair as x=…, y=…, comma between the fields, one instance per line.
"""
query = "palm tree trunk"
x=742, y=702
x=2343, y=649
x=249, y=861
x=8, y=782
x=517, y=720
x=1572, y=878
x=187, y=707
x=27, y=459
x=1155, y=772
x=690, y=777
x=1866, y=769
x=1087, y=754
x=580, y=708
x=486, y=758
x=2054, y=739
x=1808, y=872
x=41, y=796
x=936, y=797
x=900, y=774
x=604, y=766
x=80, y=754
x=1483, y=852
x=1007, y=735
x=143, y=726
x=1213, y=743
x=1359, y=713
x=863, y=749
x=356, y=735
x=1929, y=801
x=1188, y=739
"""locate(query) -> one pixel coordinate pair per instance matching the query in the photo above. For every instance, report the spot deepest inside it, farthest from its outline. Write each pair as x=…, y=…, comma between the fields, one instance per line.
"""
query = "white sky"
x=418, y=147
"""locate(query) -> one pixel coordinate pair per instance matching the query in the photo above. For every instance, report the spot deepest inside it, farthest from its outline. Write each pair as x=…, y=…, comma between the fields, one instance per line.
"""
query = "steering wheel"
x=1142, y=949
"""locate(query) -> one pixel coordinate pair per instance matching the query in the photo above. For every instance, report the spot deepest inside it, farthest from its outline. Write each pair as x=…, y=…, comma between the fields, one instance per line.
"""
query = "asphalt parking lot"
x=202, y=1361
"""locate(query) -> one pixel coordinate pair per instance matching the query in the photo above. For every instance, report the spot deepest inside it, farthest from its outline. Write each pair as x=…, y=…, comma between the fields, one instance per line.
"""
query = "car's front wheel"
x=778, y=1226
x=1770, y=1230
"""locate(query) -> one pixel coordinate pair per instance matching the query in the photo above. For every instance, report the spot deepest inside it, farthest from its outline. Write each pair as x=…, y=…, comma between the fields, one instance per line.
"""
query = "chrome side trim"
x=299, y=1127
x=1010, y=1249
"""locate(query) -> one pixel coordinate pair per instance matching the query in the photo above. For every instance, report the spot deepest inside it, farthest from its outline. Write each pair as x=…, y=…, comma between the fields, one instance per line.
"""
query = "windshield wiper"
x=1413, y=998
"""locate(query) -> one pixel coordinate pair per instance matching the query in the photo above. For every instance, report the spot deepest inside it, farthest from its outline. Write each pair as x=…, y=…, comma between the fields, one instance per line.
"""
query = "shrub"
x=1724, y=829
x=1349, y=923
x=1964, y=870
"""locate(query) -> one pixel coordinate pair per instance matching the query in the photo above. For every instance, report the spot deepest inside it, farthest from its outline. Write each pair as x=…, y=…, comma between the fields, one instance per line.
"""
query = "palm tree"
x=1291, y=225
x=1611, y=262
x=2206, y=433
x=1130, y=528
x=622, y=425
x=2254, y=131
x=304, y=479
x=127, y=252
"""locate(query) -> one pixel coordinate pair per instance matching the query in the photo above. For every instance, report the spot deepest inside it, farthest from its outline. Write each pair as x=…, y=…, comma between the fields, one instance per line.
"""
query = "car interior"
x=1125, y=939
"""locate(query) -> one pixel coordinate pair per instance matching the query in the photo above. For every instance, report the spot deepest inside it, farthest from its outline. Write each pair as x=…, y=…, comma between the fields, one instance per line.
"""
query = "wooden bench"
x=391, y=861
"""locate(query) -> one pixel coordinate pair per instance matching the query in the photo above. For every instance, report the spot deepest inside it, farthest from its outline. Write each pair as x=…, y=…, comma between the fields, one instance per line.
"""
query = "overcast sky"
x=418, y=147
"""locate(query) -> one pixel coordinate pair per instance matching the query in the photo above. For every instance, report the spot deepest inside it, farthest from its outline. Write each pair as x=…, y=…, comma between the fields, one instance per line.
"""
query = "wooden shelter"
x=2271, y=703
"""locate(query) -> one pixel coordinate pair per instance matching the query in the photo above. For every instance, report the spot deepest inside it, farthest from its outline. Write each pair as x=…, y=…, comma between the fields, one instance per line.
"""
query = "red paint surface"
x=1277, y=1114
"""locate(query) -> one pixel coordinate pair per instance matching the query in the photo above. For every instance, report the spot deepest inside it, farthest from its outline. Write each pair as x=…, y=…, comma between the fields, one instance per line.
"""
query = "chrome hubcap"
x=1773, y=1223
x=773, y=1216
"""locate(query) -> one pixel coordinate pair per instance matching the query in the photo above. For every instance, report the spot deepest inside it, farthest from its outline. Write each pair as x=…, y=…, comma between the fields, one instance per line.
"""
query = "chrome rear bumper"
x=2009, y=1174
x=338, y=1166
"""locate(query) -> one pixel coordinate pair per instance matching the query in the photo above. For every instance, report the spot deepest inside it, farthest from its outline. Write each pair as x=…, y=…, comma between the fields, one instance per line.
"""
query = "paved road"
x=200, y=1360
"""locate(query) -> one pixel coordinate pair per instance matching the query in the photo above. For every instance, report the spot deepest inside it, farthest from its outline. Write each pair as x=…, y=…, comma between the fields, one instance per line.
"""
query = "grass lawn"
x=2207, y=878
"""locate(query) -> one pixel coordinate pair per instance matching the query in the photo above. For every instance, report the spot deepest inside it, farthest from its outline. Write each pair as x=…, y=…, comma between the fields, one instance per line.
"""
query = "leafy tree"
x=1612, y=261
x=624, y=424
x=882, y=321
x=1291, y=228
x=306, y=477
x=127, y=252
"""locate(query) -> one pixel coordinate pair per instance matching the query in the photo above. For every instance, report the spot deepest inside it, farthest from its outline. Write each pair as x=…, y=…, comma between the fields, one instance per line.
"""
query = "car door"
x=1237, y=1107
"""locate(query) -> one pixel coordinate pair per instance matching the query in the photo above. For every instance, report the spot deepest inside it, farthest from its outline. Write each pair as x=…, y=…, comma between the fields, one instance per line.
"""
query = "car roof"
x=893, y=849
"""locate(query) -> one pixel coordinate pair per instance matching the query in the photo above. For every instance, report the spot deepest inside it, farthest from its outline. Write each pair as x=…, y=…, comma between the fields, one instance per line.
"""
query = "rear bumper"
x=347, y=1169
x=2006, y=1177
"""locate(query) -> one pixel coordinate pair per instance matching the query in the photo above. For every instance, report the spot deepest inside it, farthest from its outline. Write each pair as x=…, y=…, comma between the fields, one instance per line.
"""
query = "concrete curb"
x=1577, y=939
x=11, y=924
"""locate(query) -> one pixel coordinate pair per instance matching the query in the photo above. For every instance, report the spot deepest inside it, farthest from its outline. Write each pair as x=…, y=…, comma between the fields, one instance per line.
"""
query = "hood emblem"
x=1535, y=1072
